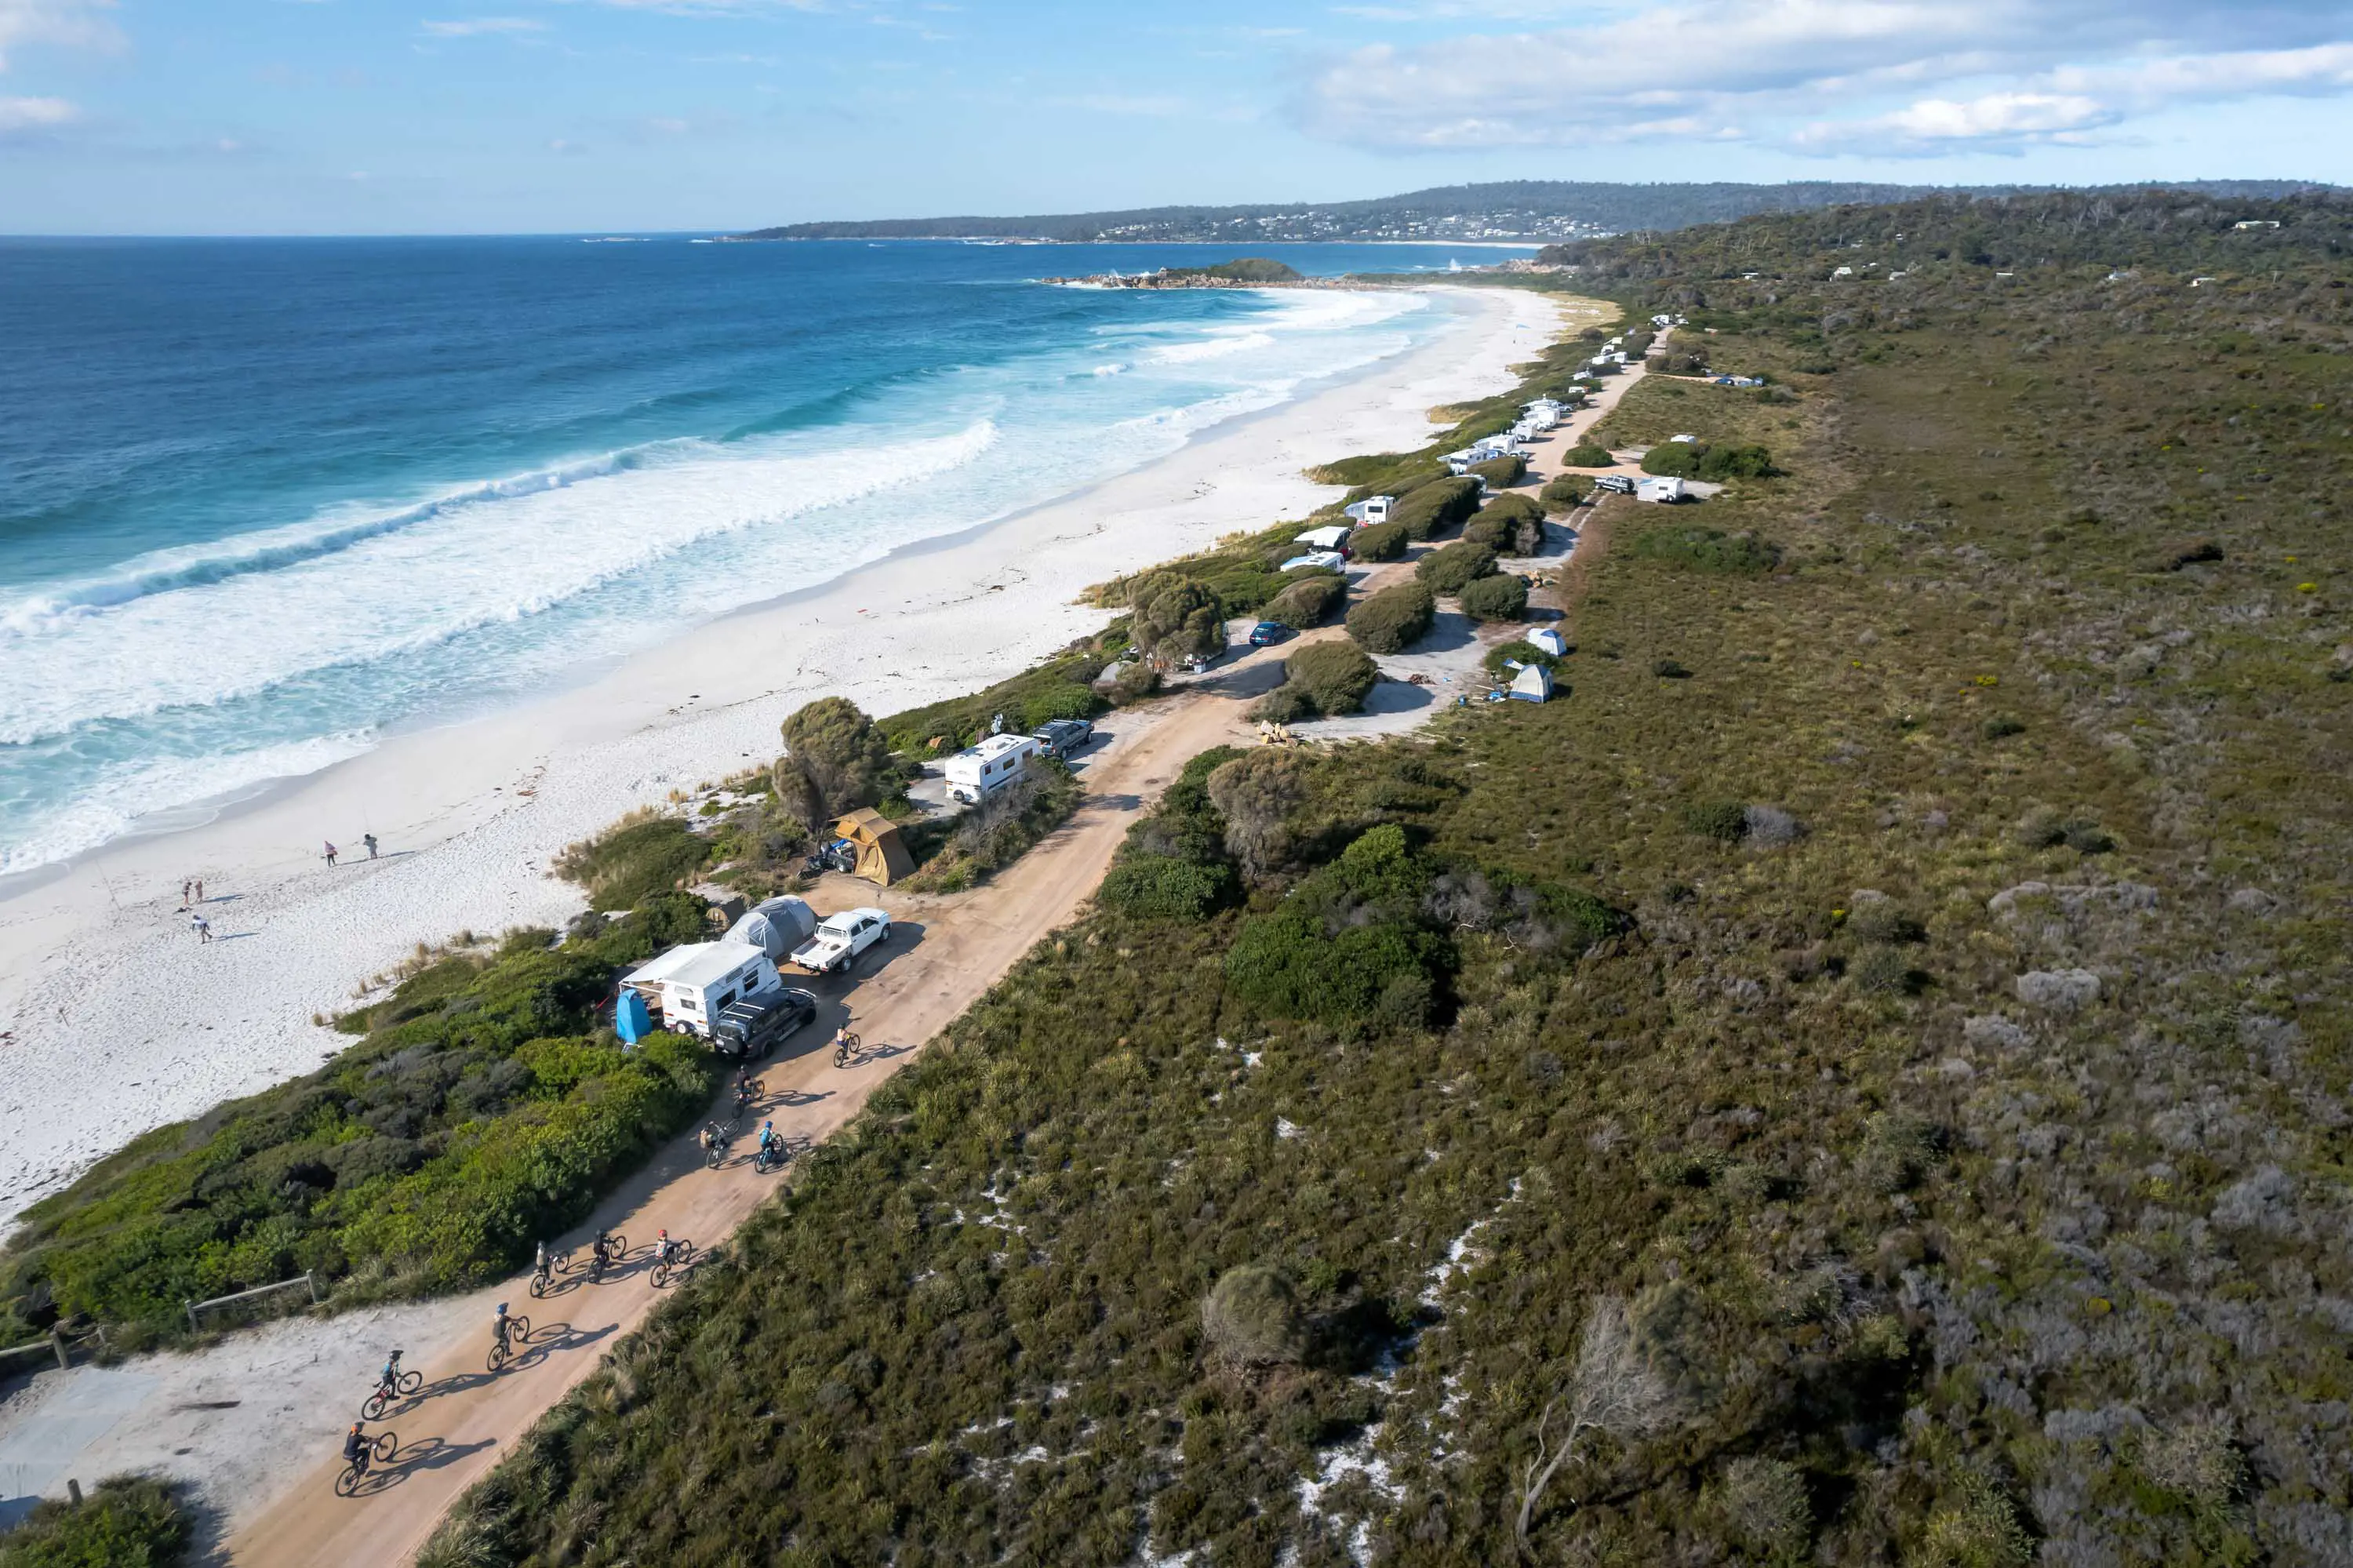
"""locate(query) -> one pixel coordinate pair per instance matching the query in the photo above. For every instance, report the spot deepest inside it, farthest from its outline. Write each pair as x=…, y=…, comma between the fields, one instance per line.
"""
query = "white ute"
x=840, y=939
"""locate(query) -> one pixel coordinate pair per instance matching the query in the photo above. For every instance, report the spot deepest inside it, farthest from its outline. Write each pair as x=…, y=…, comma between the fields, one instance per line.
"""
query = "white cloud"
x=1824, y=76
x=75, y=24
x=483, y=28
x=26, y=118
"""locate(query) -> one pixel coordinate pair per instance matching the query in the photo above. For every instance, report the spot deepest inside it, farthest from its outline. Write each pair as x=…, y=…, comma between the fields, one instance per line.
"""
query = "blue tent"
x=630, y=1020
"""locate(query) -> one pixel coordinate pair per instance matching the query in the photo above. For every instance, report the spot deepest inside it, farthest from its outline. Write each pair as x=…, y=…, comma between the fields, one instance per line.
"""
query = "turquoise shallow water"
x=260, y=500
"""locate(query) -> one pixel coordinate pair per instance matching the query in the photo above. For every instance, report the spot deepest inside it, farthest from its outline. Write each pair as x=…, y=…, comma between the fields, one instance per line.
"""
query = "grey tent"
x=1532, y=685
x=777, y=926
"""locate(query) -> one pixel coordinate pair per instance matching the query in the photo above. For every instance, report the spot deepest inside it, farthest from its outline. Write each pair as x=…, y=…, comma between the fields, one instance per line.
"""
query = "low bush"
x=1348, y=945
x=1178, y=618
x=1501, y=659
x=1445, y=571
x=1682, y=365
x=998, y=830
x=842, y=752
x=1433, y=508
x=1381, y=542
x=1501, y=597
x=1306, y=602
x=1394, y=619
x=1134, y=684
x=1747, y=461
x=635, y=860
x=1700, y=549
x=1673, y=460
x=1502, y=473
x=1161, y=887
x=1567, y=491
x=1253, y=1318
x=1509, y=525
x=127, y=1521
x=1585, y=454
x=1725, y=820
x=1336, y=676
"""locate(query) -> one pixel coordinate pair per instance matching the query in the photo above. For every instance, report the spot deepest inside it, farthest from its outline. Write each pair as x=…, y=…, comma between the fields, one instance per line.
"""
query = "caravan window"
x=723, y=997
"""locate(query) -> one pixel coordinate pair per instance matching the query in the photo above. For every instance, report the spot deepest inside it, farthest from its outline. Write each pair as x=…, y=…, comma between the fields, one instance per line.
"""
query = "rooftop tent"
x=1532, y=685
x=883, y=858
x=776, y=926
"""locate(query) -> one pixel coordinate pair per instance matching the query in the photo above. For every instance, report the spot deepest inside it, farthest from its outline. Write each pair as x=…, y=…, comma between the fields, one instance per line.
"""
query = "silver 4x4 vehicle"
x=1064, y=736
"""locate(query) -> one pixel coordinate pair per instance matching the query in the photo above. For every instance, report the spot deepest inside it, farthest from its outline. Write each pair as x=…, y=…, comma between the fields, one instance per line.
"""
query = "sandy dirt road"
x=944, y=955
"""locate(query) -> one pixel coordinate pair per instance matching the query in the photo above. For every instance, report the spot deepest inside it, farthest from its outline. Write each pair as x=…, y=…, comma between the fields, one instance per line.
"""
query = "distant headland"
x=1246, y=272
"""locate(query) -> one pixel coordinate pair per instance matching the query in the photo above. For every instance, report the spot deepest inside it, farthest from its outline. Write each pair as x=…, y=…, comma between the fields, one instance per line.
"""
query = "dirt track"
x=944, y=955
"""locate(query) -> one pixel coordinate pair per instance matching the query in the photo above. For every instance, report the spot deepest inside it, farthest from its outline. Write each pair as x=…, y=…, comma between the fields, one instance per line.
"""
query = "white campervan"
x=995, y=762
x=691, y=984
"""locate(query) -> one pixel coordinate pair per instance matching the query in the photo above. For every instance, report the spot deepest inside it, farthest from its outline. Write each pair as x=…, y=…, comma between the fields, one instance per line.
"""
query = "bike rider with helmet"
x=604, y=1249
x=388, y=1380
x=770, y=1144
x=355, y=1446
x=501, y=1326
x=665, y=1249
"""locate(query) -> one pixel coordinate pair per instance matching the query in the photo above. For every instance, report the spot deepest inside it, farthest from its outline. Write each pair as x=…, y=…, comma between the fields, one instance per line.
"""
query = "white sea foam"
x=1215, y=345
x=404, y=587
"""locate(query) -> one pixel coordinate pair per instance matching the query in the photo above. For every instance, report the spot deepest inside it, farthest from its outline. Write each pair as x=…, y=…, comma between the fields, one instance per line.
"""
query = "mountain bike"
x=389, y=1392
x=379, y=1451
x=666, y=1269
x=845, y=1046
x=506, y=1349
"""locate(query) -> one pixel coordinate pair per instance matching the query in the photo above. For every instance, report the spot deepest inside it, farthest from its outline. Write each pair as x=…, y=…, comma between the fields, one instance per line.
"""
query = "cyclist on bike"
x=665, y=1249
x=356, y=1447
x=388, y=1380
x=500, y=1326
x=768, y=1137
x=711, y=1136
x=841, y=1043
x=603, y=1248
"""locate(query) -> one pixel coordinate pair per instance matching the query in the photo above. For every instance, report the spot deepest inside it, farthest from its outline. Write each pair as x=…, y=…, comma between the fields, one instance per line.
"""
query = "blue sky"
x=383, y=116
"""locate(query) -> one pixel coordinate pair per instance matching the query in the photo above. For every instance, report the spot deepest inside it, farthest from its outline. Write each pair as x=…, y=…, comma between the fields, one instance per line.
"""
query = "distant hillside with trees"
x=1499, y=211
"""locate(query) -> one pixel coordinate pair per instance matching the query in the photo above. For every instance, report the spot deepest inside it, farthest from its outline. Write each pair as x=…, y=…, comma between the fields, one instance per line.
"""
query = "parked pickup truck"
x=840, y=938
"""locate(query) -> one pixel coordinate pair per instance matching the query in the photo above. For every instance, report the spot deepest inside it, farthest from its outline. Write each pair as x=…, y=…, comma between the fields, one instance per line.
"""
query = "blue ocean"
x=261, y=502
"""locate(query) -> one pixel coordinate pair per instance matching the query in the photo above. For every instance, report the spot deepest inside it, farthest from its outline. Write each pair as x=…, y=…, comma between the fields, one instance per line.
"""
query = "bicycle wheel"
x=713, y=1155
x=498, y=1357
x=410, y=1381
x=377, y=1403
x=538, y=1285
x=620, y=1244
x=349, y=1481
x=661, y=1274
x=387, y=1446
x=521, y=1329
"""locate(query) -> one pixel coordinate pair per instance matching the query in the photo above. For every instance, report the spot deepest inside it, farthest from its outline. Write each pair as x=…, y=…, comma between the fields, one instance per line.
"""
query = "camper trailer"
x=1666, y=492
x=998, y=761
x=691, y=984
x=1334, y=537
x=1372, y=510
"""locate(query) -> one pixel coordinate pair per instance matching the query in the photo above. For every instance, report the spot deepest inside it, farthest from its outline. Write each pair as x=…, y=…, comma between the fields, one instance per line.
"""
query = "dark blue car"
x=1267, y=634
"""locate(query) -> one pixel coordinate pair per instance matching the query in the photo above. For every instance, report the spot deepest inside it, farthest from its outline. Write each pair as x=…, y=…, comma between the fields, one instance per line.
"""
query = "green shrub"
x=1699, y=549
x=1585, y=454
x=1067, y=700
x=1306, y=602
x=1725, y=820
x=1394, y=619
x=1749, y=461
x=1499, y=659
x=1508, y=524
x=126, y=1522
x=1567, y=491
x=1502, y=473
x=1286, y=965
x=1253, y=1318
x=843, y=753
x=1499, y=597
x=634, y=861
x=1446, y=570
x=1676, y=460
x=1433, y=508
x=1178, y=618
x=1381, y=542
x=1134, y=684
x=1334, y=675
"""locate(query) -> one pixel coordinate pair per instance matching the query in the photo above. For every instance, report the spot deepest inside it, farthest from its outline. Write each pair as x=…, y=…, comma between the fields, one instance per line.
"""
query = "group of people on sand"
x=366, y=839
x=192, y=889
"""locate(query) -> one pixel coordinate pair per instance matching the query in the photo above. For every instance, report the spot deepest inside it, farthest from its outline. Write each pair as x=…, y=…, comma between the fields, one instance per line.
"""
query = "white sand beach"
x=115, y=1018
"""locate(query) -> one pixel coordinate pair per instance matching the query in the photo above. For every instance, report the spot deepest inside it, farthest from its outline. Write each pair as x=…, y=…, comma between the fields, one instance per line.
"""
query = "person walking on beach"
x=187, y=886
x=200, y=890
x=369, y=839
x=202, y=926
x=331, y=855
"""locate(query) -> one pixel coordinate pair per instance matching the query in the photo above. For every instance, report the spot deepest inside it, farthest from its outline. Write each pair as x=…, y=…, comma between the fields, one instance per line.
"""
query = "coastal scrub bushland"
x=486, y=1106
x=2007, y=1224
x=126, y=1522
x=1325, y=679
